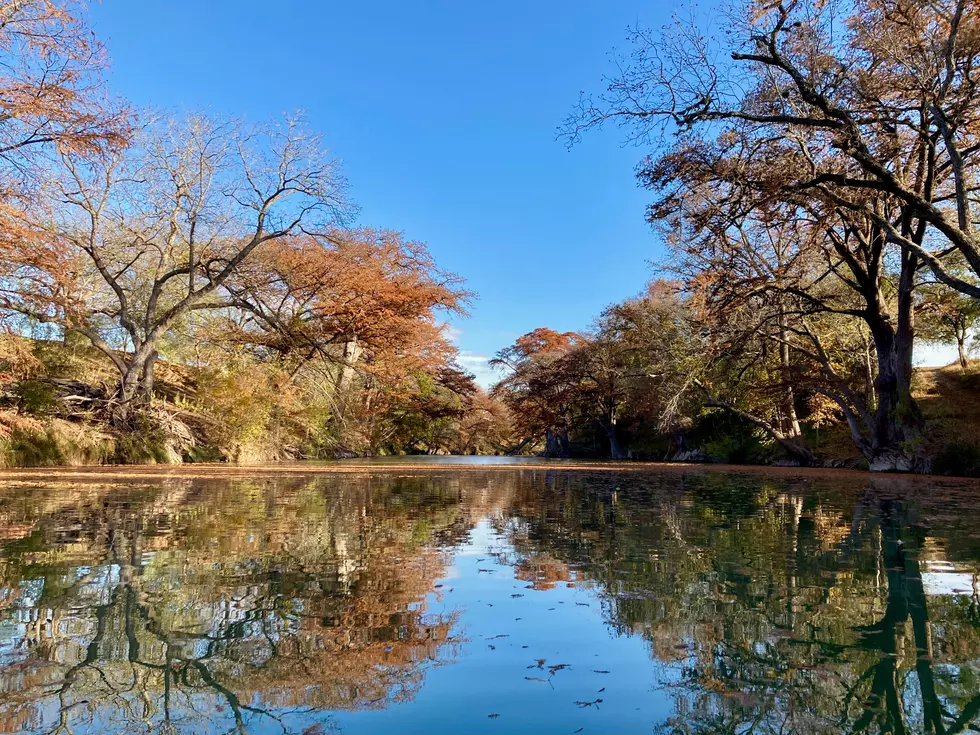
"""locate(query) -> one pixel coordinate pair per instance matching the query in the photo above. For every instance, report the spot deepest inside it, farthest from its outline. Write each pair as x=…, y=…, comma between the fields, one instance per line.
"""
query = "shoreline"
x=355, y=467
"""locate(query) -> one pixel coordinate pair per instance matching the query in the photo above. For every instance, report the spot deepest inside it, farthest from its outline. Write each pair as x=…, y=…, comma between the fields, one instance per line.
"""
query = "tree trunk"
x=678, y=439
x=147, y=377
x=135, y=384
x=566, y=447
x=616, y=451
x=552, y=444
x=961, y=348
x=791, y=423
x=352, y=353
x=897, y=422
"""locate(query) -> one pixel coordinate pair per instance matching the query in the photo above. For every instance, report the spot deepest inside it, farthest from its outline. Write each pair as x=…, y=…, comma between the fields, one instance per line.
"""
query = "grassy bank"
x=54, y=411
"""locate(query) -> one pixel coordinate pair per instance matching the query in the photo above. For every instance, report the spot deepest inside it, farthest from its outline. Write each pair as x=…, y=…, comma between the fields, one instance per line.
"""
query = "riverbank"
x=58, y=414
x=431, y=466
x=59, y=407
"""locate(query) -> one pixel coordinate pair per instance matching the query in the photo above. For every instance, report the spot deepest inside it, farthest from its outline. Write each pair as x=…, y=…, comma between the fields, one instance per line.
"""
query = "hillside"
x=948, y=398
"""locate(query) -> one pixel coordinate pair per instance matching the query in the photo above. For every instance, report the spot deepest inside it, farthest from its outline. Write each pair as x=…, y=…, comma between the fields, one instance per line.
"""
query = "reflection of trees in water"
x=782, y=611
x=780, y=607
x=257, y=603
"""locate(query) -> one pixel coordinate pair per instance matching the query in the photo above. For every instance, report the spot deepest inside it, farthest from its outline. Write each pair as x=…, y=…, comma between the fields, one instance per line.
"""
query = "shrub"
x=35, y=397
x=960, y=459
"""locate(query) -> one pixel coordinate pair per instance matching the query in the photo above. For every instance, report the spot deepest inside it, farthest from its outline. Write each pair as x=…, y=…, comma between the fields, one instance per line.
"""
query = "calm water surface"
x=453, y=599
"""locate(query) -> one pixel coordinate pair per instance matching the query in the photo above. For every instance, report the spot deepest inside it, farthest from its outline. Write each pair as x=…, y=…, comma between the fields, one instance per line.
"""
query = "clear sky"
x=444, y=114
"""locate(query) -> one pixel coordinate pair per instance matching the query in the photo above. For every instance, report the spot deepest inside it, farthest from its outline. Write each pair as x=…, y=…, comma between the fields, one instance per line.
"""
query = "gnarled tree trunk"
x=897, y=422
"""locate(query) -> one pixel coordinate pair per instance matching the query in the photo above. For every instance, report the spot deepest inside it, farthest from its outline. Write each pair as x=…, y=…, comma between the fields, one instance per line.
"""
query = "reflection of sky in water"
x=940, y=577
x=498, y=672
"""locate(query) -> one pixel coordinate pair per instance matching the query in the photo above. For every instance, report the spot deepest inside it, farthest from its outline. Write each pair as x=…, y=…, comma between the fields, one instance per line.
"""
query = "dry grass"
x=950, y=400
x=51, y=442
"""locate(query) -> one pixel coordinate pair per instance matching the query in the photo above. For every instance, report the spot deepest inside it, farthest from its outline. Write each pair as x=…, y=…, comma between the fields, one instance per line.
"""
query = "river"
x=421, y=596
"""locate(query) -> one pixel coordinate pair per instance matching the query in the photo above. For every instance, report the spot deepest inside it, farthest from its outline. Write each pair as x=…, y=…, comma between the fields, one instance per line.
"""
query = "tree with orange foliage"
x=51, y=101
x=856, y=134
x=537, y=389
x=358, y=312
x=361, y=289
x=50, y=88
x=485, y=426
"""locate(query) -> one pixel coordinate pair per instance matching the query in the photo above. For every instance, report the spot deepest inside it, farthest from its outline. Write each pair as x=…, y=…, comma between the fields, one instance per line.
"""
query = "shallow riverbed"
x=427, y=597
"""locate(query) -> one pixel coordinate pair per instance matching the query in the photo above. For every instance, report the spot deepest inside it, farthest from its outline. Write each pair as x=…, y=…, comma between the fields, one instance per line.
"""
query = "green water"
x=489, y=600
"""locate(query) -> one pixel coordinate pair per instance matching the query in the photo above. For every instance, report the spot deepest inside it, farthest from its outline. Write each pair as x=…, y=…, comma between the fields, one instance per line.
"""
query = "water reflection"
x=484, y=601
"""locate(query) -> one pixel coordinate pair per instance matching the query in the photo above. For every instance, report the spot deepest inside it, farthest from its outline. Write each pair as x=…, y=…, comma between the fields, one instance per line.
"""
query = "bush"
x=960, y=459
x=28, y=442
x=744, y=447
x=35, y=397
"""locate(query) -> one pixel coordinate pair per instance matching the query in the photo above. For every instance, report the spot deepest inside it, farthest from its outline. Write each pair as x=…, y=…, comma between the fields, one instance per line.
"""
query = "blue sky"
x=444, y=114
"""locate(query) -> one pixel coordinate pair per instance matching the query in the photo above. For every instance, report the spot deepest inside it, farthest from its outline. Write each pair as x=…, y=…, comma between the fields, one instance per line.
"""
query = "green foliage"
x=961, y=459
x=35, y=397
x=240, y=400
x=55, y=443
x=742, y=447
x=145, y=446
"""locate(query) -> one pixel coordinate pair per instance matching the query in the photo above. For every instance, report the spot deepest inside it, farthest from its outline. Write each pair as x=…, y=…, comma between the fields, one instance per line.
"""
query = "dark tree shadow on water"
x=902, y=543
